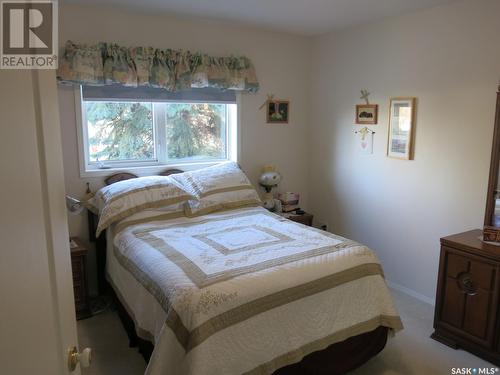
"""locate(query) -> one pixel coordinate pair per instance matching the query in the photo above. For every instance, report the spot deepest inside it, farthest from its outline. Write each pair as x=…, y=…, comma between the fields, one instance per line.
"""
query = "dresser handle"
x=466, y=284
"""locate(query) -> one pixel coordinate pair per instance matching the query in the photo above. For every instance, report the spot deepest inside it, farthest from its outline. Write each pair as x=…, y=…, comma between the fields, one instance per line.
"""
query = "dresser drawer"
x=475, y=274
x=484, y=275
x=455, y=264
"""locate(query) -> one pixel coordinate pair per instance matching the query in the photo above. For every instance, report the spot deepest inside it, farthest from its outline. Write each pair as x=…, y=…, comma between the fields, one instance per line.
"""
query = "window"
x=119, y=131
x=126, y=128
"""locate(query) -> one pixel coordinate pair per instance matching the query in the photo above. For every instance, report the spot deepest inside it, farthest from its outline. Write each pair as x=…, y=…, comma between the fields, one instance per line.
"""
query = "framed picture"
x=366, y=114
x=277, y=112
x=401, y=128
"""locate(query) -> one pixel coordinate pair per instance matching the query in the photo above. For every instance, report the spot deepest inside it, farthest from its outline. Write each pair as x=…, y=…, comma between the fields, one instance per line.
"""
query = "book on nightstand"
x=289, y=207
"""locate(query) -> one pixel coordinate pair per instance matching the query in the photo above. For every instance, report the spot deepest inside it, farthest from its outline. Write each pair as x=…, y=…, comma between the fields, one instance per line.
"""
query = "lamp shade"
x=74, y=206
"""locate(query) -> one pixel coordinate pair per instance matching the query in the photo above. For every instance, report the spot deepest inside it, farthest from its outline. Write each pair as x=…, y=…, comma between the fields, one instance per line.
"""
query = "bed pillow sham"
x=124, y=198
x=222, y=186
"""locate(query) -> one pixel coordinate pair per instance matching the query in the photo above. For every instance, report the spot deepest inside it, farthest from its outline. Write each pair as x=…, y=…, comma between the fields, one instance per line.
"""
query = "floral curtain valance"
x=174, y=70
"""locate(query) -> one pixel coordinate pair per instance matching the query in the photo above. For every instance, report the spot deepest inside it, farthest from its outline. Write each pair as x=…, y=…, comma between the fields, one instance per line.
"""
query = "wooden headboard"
x=100, y=242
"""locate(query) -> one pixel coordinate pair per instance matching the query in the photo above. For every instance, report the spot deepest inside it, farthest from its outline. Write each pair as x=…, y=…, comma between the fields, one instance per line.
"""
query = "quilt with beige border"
x=247, y=291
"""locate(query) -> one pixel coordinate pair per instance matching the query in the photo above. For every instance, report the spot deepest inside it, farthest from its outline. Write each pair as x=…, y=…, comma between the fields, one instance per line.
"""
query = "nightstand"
x=306, y=219
x=79, y=268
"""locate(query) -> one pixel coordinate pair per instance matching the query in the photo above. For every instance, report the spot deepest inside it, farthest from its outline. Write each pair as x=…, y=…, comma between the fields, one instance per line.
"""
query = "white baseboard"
x=410, y=292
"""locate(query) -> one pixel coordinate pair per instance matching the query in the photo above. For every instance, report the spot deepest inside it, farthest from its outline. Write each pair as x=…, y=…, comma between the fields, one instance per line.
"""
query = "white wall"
x=449, y=58
x=282, y=63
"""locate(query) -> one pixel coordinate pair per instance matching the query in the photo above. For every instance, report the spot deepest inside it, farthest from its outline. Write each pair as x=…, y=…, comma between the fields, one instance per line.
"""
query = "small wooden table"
x=80, y=288
x=305, y=218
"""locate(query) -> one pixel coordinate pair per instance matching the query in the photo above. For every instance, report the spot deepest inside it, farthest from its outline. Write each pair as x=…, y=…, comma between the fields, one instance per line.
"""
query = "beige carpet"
x=410, y=352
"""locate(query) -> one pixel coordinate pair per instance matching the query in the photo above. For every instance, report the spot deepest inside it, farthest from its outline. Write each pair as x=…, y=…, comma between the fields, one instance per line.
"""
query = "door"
x=37, y=316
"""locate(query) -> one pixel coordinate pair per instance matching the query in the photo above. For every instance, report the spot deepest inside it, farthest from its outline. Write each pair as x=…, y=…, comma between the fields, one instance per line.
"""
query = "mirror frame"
x=490, y=232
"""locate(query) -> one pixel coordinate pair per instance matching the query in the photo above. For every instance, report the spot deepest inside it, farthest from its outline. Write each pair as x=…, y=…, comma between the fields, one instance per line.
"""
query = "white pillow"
x=124, y=198
x=222, y=186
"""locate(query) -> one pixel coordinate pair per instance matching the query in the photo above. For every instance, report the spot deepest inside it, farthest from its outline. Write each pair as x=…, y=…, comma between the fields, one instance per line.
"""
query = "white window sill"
x=147, y=170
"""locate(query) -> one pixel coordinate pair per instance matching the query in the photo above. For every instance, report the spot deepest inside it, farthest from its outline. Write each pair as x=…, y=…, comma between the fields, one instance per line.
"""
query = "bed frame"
x=336, y=359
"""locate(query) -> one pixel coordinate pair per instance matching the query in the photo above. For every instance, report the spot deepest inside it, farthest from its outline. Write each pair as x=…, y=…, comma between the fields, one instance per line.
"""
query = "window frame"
x=88, y=169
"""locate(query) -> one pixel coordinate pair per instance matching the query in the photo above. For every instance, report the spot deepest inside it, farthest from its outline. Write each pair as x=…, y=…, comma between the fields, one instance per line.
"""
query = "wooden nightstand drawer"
x=306, y=219
x=78, y=291
x=77, y=282
x=78, y=265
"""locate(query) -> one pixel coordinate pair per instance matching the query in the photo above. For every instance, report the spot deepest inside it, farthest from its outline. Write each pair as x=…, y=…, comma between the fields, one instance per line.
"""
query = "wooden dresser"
x=467, y=311
x=80, y=289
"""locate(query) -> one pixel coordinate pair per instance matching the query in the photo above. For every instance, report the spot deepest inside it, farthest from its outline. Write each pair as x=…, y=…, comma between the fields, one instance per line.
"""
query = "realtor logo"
x=29, y=34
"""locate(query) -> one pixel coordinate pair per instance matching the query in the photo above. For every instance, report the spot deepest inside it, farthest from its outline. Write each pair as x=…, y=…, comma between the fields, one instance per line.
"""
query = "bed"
x=243, y=291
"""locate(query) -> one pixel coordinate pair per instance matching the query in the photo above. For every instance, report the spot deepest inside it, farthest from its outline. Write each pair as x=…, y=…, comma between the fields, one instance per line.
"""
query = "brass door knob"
x=85, y=358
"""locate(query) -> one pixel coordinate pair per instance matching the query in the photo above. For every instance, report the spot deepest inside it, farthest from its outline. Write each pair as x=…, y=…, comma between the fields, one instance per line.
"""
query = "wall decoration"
x=364, y=141
x=277, y=112
x=270, y=98
x=364, y=95
x=401, y=128
x=366, y=114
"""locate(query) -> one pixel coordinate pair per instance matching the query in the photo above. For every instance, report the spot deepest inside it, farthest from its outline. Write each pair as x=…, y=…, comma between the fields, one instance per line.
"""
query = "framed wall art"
x=278, y=111
x=366, y=114
x=402, y=114
x=365, y=141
